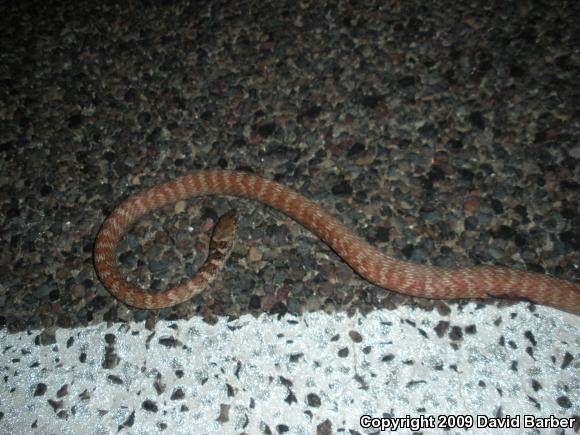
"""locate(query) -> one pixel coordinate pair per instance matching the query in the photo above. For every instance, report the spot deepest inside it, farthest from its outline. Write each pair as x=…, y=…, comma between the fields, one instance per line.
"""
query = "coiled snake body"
x=376, y=267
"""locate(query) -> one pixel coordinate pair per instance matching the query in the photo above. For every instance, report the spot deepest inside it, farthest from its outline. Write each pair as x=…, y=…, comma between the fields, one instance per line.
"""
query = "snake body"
x=405, y=277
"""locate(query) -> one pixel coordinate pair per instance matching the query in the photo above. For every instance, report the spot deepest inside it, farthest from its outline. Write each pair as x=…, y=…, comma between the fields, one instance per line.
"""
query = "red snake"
x=376, y=267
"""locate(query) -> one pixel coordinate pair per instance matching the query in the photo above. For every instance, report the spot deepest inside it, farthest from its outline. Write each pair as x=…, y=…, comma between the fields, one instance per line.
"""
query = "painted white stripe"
x=253, y=357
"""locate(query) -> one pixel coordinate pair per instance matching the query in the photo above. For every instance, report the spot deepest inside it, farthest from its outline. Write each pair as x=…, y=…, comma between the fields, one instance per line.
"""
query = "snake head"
x=226, y=227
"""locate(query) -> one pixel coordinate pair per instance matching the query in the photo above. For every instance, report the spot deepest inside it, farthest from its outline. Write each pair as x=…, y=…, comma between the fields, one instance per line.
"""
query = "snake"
x=409, y=278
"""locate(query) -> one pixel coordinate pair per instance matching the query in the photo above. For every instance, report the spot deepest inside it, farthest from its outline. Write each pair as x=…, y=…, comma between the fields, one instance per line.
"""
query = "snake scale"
x=405, y=277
